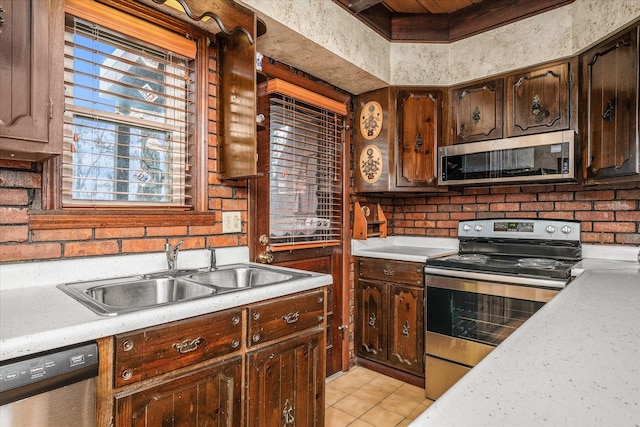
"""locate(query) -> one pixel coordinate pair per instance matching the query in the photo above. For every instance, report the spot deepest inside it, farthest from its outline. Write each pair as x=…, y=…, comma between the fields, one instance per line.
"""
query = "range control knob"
x=566, y=229
x=478, y=227
x=466, y=227
x=550, y=229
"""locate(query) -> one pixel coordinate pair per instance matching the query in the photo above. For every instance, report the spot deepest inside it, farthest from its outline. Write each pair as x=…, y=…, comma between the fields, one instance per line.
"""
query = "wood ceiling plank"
x=447, y=6
x=406, y=6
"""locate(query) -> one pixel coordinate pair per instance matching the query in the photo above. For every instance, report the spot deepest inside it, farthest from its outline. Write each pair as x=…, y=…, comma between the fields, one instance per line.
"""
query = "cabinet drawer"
x=149, y=352
x=272, y=320
x=411, y=273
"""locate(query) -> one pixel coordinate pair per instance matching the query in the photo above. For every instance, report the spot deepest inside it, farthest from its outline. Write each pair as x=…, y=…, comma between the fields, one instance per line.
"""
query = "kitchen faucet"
x=172, y=254
x=213, y=261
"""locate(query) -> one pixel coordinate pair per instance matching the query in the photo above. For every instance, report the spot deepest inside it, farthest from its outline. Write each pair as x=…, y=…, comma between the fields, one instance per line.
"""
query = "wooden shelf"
x=368, y=221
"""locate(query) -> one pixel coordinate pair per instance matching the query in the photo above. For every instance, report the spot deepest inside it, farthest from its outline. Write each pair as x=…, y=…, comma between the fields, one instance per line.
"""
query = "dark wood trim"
x=281, y=71
x=58, y=220
x=444, y=28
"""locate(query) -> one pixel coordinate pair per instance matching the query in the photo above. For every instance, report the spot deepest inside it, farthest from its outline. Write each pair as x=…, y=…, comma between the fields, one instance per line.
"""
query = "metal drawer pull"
x=291, y=317
x=235, y=344
x=320, y=318
x=127, y=374
x=235, y=320
x=256, y=338
x=187, y=346
x=127, y=345
x=389, y=272
x=288, y=416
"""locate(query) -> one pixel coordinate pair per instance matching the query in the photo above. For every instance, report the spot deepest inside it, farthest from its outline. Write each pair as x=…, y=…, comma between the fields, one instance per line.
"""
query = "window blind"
x=128, y=109
x=305, y=174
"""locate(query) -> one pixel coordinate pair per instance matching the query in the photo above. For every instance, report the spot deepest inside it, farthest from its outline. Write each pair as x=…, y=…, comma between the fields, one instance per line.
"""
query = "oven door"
x=466, y=319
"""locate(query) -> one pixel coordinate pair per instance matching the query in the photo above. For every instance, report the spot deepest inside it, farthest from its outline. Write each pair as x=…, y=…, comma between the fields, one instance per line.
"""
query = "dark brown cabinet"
x=397, y=135
x=286, y=383
x=532, y=101
x=30, y=79
x=477, y=111
x=420, y=120
x=209, y=397
x=538, y=100
x=389, y=317
x=610, y=119
x=258, y=365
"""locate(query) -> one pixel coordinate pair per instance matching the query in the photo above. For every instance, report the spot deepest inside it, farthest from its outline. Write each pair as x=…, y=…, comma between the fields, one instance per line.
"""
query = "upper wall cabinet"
x=538, y=100
x=29, y=80
x=237, y=136
x=397, y=134
x=610, y=119
x=531, y=101
x=419, y=123
x=477, y=111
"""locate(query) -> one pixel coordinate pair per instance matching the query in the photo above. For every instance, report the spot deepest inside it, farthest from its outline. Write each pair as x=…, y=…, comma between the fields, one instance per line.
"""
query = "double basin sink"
x=110, y=297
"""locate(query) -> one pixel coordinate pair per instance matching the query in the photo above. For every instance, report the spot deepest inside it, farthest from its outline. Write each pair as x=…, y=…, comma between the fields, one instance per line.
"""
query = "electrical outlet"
x=231, y=222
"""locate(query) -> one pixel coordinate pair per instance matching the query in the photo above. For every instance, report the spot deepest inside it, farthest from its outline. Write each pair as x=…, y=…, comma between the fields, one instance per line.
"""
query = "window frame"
x=51, y=215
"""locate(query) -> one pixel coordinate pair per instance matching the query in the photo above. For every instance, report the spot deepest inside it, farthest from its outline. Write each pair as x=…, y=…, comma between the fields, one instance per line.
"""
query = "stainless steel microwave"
x=532, y=158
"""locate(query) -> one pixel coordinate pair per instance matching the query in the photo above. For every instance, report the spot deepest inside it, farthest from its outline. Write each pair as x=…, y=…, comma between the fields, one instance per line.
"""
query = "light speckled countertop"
x=574, y=363
x=36, y=316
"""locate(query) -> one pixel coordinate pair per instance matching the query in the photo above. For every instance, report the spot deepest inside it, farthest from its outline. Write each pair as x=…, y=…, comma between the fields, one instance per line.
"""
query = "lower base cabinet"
x=286, y=384
x=389, y=318
x=258, y=365
x=210, y=397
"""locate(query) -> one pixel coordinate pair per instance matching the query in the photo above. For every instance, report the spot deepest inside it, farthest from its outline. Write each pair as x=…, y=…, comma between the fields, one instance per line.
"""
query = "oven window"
x=476, y=317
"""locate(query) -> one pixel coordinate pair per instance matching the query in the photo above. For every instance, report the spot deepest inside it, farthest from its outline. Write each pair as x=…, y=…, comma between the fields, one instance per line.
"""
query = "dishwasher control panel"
x=67, y=364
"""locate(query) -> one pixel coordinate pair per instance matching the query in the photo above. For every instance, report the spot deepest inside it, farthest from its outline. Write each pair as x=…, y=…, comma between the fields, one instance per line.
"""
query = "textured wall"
x=320, y=38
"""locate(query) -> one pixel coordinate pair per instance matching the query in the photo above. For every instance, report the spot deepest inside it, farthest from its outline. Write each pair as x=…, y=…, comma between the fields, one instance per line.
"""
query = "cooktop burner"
x=509, y=265
x=538, y=263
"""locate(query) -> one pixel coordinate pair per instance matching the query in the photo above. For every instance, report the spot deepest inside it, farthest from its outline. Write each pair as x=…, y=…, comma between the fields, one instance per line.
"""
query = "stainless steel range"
x=505, y=271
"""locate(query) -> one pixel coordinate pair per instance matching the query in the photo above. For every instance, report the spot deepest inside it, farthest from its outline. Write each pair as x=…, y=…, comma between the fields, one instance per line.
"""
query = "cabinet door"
x=419, y=126
x=371, y=320
x=611, y=88
x=211, y=397
x=478, y=111
x=538, y=101
x=286, y=383
x=25, y=43
x=406, y=330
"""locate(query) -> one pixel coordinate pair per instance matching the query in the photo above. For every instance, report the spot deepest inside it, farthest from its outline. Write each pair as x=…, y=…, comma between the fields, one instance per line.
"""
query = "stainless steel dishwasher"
x=52, y=389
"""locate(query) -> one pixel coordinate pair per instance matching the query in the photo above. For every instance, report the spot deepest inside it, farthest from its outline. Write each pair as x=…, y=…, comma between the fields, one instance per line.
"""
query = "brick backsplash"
x=609, y=214
x=20, y=189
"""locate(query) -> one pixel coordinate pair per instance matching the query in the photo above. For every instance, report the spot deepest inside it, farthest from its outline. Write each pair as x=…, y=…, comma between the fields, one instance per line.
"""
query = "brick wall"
x=20, y=192
x=609, y=214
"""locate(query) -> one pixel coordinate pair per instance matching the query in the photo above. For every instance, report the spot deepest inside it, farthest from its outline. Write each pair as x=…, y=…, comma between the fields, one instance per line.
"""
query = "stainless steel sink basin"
x=110, y=297
x=115, y=296
x=241, y=276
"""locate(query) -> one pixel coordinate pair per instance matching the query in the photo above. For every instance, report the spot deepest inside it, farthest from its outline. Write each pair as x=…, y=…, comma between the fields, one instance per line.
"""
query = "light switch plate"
x=231, y=222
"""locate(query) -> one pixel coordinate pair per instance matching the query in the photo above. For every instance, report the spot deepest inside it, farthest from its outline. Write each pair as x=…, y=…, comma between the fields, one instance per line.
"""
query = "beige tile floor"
x=363, y=398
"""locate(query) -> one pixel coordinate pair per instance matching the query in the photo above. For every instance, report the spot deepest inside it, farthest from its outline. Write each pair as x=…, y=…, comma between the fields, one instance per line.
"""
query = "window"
x=128, y=119
x=305, y=174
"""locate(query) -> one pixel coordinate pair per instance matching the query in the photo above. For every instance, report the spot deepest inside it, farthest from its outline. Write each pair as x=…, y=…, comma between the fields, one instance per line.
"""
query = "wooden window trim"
x=64, y=220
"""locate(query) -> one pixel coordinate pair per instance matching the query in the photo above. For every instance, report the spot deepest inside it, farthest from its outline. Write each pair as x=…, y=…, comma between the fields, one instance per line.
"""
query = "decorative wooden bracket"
x=211, y=15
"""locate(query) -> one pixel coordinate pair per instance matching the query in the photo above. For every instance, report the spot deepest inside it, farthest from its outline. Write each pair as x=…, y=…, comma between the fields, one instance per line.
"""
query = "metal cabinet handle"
x=255, y=338
x=127, y=374
x=256, y=315
x=127, y=345
x=291, y=317
x=235, y=344
x=187, y=346
x=235, y=320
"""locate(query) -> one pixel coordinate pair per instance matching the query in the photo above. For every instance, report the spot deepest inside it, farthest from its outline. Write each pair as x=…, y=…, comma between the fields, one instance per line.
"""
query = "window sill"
x=56, y=220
